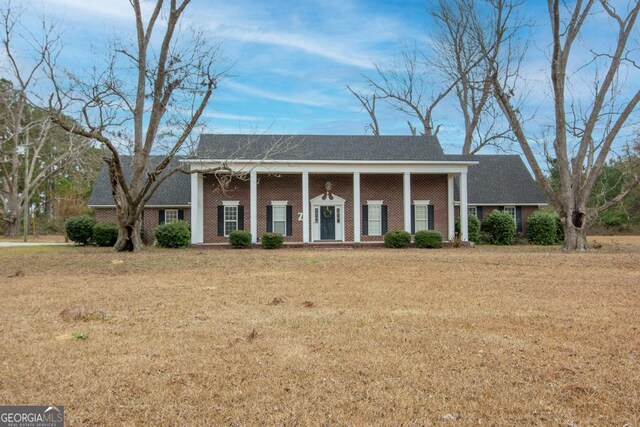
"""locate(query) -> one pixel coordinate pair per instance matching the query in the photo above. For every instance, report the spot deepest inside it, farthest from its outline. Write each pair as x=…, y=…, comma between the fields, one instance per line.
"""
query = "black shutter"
x=181, y=214
x=383, y=213
x=365, y=220
x=413, y=219
x=500, y=208
x=161, y=216
x=269, y=218
x=479, y=212
x=289, y=220
x=430, y=218
x=518, y=219
x=240, y=217
x=220, y=220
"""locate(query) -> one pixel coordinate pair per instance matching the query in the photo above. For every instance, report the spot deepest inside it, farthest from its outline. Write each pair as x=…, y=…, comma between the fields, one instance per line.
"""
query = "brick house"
x=315, y=188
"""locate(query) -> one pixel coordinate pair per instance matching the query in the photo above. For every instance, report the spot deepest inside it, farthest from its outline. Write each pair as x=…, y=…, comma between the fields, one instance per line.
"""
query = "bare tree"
x=30, y=150
x=147, y=99
x=369, y=104
x=458, y=56
x=583, y=135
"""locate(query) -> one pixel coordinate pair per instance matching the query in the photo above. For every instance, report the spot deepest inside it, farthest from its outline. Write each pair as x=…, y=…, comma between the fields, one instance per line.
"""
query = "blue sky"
x=293, y=59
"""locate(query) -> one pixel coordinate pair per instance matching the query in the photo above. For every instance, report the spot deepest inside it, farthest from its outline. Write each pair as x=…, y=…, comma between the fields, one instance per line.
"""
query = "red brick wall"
x=387, y=188
x=212, y=198
x=433, y=188
x=151, y=218
x=280, y=187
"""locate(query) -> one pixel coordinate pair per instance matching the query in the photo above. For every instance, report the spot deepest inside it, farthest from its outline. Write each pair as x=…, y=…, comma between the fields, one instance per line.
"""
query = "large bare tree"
x=146, y=99
x=31, y=149
x=583, y=132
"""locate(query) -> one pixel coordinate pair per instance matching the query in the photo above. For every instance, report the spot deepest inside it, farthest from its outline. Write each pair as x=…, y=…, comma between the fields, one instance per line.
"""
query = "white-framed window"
x=421, y=217
x=511, y=210
x=279, y=216
x=230, y=219
x=472, y=210
x=375, y=217
x=170, y=215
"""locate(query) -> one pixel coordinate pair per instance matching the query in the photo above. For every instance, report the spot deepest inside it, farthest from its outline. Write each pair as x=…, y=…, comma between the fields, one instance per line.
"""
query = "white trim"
x=464, y=213
x=339, y=162
x=279, y=203
x=224, y=217
x=305, y=207
x=426, y=214
x=422, y=202
x=197, y=208
x=475, y=210
x=316, y=204
x=515, y=212
x=337, y=200
x=283, y=206
x=375, y=202
x=451, y=214
x=173, y=211
x=507, y=204
x=230, y=203
x=146, y=206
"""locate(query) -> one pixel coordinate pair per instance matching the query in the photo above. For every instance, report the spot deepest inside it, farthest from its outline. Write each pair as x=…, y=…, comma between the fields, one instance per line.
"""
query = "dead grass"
x=515, y=336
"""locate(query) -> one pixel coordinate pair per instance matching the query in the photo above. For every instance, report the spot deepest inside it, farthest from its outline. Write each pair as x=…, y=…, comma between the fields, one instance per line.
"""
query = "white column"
x=305, y=207
x=197, y=221
x=253, y=205
x=407, y=201
x=464, y=212
x=356, y=207
x=451, y=208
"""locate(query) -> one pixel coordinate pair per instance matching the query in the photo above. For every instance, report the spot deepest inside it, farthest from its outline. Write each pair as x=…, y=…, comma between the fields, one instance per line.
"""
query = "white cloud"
x=228, y=116
x=310, y=99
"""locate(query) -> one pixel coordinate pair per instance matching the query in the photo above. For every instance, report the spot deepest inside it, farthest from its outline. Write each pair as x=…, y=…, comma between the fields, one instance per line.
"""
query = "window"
x=170, y=215
x=472, y=210
x=230, y=219
x=421, y=217
x=279, y=219
x=375, y=219
x=511, y=210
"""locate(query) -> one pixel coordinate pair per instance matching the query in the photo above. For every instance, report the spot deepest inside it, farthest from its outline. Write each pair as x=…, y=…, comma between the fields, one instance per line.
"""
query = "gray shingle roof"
x=501, y=179
x=174, y=191
x=322, y=147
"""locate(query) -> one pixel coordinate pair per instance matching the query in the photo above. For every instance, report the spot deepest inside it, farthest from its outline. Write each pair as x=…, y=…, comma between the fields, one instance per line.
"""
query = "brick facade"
x=151, y=219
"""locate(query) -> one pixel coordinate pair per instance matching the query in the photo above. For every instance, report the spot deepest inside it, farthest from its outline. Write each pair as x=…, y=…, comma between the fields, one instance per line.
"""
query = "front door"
x=327, y=223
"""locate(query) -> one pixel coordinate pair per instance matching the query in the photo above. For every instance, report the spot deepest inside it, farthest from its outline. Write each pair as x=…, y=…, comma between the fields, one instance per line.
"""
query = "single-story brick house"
x=333, y=188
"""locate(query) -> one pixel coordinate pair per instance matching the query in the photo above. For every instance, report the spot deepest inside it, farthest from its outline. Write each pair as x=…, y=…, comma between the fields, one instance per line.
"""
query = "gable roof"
x=500, y=179
x=322, y=148
x=174, y=191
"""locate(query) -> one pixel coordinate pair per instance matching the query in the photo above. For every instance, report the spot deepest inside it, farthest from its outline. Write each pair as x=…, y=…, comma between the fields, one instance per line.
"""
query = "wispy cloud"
x=228, y=116
x=309, y=98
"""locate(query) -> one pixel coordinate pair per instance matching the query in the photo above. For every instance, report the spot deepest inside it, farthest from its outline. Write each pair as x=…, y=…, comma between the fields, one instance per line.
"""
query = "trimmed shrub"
x=500, y=228
x=105, y=234
x=271, y=240
x=474, y=228
x=174, y=234
x=397, y=239
x=240, y=239
x=541, y=228
x=428, y=239
x=79, y=229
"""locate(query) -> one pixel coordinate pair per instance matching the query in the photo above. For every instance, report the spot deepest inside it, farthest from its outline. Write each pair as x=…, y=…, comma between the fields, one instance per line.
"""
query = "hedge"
x=240, y=239
x=498, y=228
x=474, y=228
x=541, y=228
x=397, y=239
x=271, y=240
x=79, y=229
x=105, y=234
x=174, y=234
x=428, y=239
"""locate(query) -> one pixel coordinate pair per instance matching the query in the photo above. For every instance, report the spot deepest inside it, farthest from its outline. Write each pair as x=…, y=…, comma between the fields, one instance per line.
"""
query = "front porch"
x=320, y=204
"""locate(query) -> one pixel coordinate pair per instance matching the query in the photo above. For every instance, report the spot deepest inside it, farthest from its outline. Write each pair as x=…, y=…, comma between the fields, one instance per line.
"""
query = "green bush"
x=474, y=228
x=500, y=228
x=105, y=234
x=541, y=228
x=397, y=239
x=79, y=229
x=614, y=219
x=240, y=239
x=174, y=234
x=271, y=240
x=428, y=239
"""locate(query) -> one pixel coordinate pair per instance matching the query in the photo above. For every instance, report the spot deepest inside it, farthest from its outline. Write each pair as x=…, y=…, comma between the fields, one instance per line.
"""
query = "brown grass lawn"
x=517, y=336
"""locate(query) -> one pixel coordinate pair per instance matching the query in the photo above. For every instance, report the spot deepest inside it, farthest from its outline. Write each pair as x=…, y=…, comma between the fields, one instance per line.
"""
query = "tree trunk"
x=575, y=232
x=12, y=228
x=129, y=223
